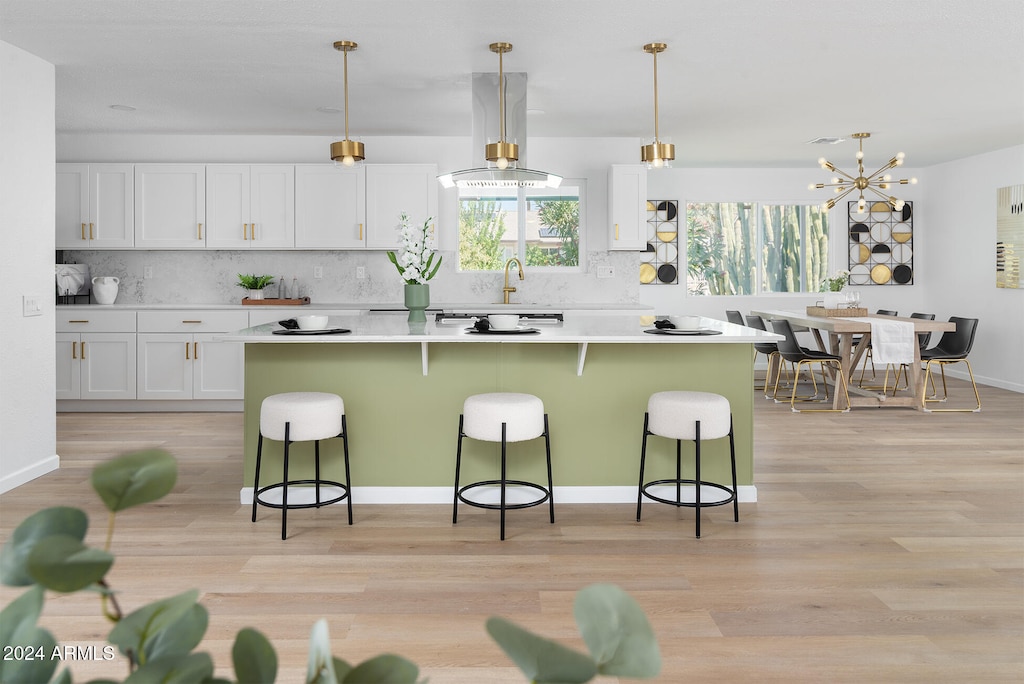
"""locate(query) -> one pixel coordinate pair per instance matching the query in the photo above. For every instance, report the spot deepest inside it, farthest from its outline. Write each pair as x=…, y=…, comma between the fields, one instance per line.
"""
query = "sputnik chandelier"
x=346, y=151
x=875, y=182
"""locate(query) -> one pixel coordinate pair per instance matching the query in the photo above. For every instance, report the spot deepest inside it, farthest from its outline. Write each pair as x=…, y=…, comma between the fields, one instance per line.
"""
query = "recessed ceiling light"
x=826, y=140
x=328, y=110
x=122, y=108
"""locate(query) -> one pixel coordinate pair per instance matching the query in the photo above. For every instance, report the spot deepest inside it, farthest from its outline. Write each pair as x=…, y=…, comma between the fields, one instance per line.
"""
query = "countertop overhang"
x=579, y=329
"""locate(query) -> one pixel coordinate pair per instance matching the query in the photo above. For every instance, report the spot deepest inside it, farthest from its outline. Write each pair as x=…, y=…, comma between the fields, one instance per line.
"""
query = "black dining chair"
x=922, y=343
x=734, y=317
x=953, y=347
x=790, y=350
x=770, y=350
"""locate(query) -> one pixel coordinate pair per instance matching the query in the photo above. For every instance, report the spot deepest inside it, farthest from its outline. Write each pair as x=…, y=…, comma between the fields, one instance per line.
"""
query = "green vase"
x=417, y=299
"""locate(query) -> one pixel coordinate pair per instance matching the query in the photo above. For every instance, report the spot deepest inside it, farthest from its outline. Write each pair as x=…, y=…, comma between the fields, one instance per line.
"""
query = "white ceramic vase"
x=104, y=289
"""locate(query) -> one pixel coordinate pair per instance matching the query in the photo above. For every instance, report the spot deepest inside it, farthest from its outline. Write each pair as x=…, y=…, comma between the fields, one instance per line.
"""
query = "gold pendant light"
x=501, y=153
x=879, y=180
x=346, y=151
x=658, y=154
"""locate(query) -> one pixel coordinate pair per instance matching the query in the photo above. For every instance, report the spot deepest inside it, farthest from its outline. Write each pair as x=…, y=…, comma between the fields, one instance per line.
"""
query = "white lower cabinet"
x=175, y=364
x=95, y=354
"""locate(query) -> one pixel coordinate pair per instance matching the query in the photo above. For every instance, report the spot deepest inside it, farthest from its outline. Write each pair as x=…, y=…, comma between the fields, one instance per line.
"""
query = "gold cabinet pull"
x=192, y=321
x=83, y=351
x=91, y=236
x=187, y=357
x=252, y=231
x=360, y=231
x=74, y=350
x=616, y=231
x=79, y=321
x=199, y=231
x=245, y=231
x=83, y=231
x=195, y=351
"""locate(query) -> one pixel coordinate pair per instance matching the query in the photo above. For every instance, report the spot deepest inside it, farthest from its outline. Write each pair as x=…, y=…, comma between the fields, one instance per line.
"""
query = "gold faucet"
x=507, y=290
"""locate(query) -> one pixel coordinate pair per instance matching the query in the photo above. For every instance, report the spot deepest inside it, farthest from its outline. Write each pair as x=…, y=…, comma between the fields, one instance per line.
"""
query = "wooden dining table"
x=841, y=332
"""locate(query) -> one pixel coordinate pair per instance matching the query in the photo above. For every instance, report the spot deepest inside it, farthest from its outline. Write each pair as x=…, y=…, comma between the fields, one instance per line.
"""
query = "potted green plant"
x=254, y=283
x=416, y=266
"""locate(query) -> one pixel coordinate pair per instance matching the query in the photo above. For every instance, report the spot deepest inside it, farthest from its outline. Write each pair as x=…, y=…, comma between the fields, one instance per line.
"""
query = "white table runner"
x=891, y=341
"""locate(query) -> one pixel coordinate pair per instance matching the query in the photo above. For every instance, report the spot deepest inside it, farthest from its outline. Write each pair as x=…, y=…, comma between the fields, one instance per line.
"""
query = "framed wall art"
x=881, y=244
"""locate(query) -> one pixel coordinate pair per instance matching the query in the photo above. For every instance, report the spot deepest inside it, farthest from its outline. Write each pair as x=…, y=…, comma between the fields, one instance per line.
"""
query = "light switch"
x=31, y=305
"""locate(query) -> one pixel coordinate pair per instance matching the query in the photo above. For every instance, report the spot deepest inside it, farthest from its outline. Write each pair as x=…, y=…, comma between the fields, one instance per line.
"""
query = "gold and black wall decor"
x=1009, y=235
x=659, y=263
x=881, y=244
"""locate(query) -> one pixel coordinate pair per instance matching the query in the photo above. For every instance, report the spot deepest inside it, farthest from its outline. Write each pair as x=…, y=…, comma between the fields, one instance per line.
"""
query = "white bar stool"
x=301, y=417
x=503, y=417
x=693, y=416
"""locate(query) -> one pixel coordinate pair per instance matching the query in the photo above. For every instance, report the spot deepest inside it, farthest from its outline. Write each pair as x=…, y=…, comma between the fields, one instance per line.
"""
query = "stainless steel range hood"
x=486, y=124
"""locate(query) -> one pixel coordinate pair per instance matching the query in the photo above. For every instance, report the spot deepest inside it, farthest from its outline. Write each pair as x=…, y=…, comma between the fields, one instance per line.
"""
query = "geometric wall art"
x=659, y=262
x=881, y=244
x=1009, y=235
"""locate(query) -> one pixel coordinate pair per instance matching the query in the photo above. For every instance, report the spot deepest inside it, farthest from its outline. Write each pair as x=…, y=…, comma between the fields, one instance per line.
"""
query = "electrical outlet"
x=360, y=272
x=318, y=272
x=147, y=272
x=605, y=272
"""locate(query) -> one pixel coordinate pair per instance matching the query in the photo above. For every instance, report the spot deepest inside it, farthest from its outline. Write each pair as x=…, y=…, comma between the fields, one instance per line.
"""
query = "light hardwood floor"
x=885, y=546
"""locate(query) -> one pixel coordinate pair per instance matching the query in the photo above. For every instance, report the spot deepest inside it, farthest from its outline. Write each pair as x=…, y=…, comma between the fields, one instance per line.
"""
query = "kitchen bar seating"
x=503, y=417
x=695, y=416
x=292, y=417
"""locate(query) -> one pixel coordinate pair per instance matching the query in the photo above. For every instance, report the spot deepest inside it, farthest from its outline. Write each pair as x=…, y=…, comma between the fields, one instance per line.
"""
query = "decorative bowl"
x=503, y=321
x=312, y=322
x=685, y=322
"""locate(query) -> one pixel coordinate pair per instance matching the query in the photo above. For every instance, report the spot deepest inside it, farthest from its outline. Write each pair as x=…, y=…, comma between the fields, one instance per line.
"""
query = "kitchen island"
x=403, y=385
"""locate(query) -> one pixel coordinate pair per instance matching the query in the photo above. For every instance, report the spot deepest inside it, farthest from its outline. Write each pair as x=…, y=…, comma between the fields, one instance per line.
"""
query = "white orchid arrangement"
x=416, y=263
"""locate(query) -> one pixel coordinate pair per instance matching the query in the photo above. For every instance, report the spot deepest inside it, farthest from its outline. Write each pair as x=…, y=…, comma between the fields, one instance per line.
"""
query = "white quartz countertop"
x=577, y=328
x=448, y=307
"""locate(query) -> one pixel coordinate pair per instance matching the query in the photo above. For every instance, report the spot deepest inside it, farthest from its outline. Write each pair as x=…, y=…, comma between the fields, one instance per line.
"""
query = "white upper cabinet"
x=395, y=188
x=330, y=207
x=170, y=206
x=250, y=207
x=94, y=206
x=627, y=207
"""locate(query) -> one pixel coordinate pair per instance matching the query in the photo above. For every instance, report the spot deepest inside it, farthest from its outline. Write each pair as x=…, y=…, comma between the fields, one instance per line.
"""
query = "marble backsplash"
x=210, y=277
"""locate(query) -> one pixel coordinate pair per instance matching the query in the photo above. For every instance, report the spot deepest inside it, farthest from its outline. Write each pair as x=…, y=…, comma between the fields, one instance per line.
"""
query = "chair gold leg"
x=945, y=391
x=840, y=383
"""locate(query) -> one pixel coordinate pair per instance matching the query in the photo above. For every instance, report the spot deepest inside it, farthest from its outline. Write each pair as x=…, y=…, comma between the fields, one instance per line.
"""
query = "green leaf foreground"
x=59, y=520
x=135, y=479
x=616, y=632
x=47, y=550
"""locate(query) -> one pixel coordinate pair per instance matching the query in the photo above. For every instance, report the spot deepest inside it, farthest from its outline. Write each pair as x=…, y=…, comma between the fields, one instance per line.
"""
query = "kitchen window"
x=539, y=226
x=745, y=248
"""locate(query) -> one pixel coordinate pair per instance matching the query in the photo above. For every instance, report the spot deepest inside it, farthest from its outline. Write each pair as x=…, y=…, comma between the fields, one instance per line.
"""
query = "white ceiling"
x=743, y=83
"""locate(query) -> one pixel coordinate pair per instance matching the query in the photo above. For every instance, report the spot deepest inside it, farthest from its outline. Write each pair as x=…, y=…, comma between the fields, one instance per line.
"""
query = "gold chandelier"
x=657, y=154
x=502, y=153
x=346, y=151
x=875, y=182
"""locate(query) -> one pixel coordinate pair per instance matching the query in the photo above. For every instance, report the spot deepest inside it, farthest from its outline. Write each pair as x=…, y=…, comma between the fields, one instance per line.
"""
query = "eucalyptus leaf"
x=181, y=636
x=71, y=522
x=383, y=669
x=136, y=629
x=63, y=563
x=190, y=669
x=320, y=666
x=254, y=658
x=617, y=632
x=542, y=661
x=18, y=629
x=135, y=479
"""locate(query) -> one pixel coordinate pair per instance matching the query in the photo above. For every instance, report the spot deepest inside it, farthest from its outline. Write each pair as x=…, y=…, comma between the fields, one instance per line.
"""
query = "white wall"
x=961, y=254
x=27, y=375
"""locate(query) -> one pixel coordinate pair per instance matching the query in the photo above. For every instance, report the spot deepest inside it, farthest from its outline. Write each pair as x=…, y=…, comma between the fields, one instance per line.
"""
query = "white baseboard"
x=443, y=495
x=16, y=479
